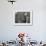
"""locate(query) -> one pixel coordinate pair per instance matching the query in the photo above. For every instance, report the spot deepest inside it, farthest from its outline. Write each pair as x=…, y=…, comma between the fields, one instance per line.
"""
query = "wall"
x=9, y=31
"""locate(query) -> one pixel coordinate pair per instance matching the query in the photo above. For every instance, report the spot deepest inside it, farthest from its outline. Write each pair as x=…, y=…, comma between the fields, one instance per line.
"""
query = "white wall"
x=9, y=31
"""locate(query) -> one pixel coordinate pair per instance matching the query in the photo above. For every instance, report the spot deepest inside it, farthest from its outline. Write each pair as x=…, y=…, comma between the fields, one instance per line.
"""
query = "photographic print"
x=23, y=18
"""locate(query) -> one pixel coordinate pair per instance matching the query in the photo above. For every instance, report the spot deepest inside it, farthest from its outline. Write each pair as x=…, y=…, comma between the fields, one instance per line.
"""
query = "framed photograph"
x=23, y=18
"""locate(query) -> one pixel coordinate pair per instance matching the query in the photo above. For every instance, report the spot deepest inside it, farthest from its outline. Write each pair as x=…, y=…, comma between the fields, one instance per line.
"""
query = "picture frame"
x=23, y=18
